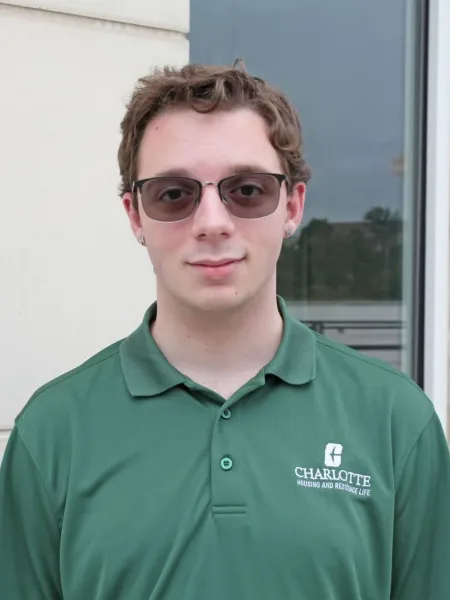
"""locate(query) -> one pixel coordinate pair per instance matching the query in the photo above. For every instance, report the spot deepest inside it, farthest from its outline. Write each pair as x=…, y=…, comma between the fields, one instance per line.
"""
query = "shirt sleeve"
x=29, y=532
x=421, y=552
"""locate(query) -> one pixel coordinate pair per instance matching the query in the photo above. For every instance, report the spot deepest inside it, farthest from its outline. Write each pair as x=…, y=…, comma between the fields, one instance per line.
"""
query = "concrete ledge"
x=171, y=15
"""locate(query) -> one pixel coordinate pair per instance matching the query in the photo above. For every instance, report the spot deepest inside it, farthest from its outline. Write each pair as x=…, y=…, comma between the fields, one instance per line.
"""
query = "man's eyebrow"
x=249, y=168
x=174, y=172
x=231, y=170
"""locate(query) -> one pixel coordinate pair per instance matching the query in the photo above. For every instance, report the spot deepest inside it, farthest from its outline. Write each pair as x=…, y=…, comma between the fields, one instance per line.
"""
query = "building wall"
x=73, y=278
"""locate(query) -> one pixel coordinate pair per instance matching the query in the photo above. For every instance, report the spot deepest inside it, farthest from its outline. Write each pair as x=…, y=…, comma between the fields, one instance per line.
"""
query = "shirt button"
x=226, y=413
x=226, y=463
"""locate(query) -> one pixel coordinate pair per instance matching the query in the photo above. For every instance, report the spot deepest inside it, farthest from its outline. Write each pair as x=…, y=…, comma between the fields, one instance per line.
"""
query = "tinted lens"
x=250, y=196
x=169, y=198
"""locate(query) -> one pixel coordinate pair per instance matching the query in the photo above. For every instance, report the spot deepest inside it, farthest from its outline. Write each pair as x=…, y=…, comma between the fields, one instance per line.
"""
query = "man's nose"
x=211, y=217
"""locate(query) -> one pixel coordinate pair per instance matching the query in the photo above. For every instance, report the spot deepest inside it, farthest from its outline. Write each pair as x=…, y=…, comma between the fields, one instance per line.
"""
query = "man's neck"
x=215, y=345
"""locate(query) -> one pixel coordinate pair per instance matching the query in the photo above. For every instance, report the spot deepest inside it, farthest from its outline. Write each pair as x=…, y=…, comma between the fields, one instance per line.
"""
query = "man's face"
x=188, y=256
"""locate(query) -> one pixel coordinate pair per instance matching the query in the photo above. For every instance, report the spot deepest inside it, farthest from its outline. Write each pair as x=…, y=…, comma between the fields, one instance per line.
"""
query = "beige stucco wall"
x=73, y=279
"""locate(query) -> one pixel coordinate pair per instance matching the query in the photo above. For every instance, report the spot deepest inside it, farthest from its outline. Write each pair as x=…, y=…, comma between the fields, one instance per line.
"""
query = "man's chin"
x=216, y=299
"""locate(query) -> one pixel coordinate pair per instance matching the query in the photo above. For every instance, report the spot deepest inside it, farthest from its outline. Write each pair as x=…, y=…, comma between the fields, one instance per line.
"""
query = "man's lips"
x=215, y=263
x=216, y=269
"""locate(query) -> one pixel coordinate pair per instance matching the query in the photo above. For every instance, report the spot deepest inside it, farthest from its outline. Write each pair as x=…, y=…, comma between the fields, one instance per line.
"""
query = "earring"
x=288, y=232
x=141, y=240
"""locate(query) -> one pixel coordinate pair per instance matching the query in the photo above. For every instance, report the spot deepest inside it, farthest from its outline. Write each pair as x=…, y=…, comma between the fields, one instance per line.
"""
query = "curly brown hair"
x=204, y=89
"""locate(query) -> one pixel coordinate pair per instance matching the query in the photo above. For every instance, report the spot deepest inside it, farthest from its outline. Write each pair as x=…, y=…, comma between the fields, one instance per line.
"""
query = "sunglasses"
x=246, y=195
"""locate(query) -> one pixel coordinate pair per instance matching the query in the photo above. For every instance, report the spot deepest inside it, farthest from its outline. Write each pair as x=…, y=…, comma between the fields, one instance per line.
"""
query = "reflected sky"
x=342, y=64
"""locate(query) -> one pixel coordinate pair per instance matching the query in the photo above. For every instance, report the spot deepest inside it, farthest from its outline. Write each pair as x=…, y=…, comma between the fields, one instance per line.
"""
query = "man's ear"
x=295, y=204
x=133, y=215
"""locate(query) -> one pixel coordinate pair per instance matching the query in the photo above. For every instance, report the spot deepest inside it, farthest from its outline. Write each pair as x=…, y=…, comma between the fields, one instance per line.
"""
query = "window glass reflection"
x=346, y=65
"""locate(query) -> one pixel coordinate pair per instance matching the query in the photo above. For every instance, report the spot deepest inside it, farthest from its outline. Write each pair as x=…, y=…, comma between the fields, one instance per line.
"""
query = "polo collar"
x=147, y=372
x=295, y=359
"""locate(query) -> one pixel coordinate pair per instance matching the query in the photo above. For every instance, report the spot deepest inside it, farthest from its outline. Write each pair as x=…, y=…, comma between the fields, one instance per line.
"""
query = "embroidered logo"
x=334, y=478
x=333, y=455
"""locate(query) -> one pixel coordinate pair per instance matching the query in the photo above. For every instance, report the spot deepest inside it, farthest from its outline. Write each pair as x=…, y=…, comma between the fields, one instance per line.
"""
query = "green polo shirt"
x=325, y=477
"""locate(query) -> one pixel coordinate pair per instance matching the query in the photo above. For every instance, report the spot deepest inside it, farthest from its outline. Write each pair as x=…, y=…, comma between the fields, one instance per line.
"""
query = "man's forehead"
x=173, y=117
x=239, y=129
x=184, y=147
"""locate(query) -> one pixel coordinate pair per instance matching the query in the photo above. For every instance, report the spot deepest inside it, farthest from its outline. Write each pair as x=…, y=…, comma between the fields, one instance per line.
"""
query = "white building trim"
x=437, y=269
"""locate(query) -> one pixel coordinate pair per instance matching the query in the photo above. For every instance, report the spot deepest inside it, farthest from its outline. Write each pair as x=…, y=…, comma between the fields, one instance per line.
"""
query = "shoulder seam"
x=399, y=469
x=42, y=478
x=373, y=364
x=84, y=367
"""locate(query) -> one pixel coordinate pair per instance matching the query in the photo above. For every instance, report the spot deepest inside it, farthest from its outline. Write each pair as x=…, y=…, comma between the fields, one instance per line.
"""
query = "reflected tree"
x=337, y=261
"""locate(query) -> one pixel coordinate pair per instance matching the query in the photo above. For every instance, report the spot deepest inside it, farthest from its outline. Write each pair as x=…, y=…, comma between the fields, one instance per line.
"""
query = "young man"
x=223, y=450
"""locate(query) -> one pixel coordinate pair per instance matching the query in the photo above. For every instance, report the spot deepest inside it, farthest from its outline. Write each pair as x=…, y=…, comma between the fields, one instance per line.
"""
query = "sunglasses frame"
x=280, y=177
